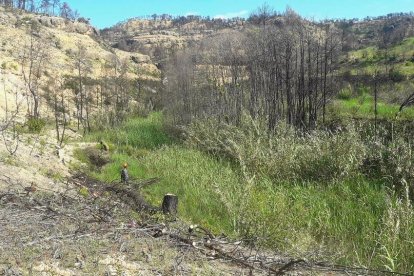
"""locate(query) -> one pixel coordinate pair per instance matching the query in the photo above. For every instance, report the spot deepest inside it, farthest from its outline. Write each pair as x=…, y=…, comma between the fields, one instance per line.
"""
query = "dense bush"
x=383, y=220
x=285, y=155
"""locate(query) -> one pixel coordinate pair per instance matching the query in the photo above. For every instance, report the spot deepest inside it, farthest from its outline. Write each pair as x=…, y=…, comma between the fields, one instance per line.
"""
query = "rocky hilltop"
x=149, y=36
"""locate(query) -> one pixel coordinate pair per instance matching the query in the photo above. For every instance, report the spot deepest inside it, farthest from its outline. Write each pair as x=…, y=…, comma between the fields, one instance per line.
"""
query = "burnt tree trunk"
x=170, y=204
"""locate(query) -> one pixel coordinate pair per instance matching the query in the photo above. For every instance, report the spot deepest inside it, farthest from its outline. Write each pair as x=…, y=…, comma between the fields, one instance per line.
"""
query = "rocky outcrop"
x=148, y=36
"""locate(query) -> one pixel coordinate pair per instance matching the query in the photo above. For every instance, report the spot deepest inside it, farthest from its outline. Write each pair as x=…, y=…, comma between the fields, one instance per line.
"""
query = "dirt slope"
x=61, y=40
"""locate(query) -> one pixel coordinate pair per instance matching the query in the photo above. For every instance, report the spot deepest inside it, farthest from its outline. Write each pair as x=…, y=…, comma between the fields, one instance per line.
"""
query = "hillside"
x=166, y=31
x=61, y=41
x=382, y=31
x=374, y=44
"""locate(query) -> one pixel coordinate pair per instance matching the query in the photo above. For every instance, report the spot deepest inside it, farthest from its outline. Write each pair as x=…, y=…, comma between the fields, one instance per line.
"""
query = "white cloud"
x=228, y=15
x=191, y=13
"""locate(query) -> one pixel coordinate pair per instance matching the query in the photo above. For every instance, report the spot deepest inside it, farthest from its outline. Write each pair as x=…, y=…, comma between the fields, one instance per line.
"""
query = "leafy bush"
x=35, y=125
x=363, y=90
x=96, y=157
x=318, y=156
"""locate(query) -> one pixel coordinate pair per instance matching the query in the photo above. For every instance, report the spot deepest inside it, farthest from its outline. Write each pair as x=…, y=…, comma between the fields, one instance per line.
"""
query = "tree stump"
x=170, y=204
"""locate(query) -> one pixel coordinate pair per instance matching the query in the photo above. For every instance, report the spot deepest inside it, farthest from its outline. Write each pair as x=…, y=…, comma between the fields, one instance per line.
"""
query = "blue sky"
x=105, y=13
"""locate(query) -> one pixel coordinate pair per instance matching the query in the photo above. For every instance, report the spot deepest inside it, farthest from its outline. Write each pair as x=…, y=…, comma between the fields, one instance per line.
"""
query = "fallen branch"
x=136, y=201
x=146, y=182
x=286, y=267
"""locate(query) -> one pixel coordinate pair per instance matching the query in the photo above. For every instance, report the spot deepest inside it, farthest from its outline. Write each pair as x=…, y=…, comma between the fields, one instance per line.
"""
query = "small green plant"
x=10, y=160
x=69, y=52
x=58, y=44
x=345, y=94
x=57, y=176
x=35, y=125
x=363, y=90
x=9, y=65
x=84, y=191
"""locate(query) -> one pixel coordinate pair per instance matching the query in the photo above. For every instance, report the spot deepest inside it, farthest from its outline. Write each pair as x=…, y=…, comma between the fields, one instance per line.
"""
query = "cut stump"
x=170, y=204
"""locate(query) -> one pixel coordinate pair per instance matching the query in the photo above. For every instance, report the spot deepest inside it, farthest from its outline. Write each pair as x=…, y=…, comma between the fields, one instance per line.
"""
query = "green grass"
x=363, y=107
x=371, y=59
x=346, y=221
x=405, y=48
x=143, y=133
x=201, y=182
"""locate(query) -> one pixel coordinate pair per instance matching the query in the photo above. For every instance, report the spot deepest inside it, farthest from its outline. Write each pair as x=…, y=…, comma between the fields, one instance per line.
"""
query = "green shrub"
x=363, y=90
x=35, y=125
x=396, y=76
x=84, y=191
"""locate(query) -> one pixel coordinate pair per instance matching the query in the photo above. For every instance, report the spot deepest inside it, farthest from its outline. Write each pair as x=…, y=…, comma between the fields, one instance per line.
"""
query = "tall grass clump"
x=284, y=155
x=396, y=238
x=393, y=161
x=389, y=158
